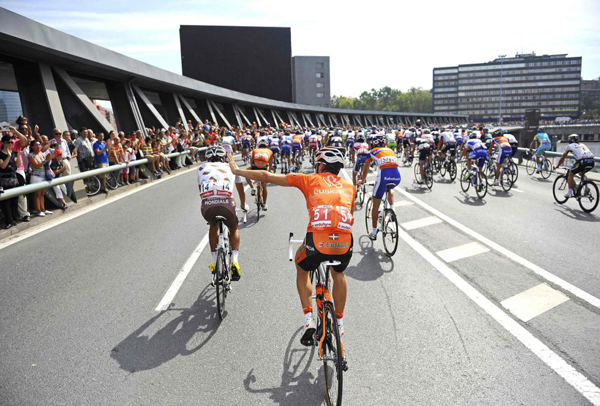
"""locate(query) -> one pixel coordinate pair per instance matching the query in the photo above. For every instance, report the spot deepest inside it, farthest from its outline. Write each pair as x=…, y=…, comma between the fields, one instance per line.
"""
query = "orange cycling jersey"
x=383, y=157
x=502, y=142
x=297, y=139
x=261, y=158
x=329, y=200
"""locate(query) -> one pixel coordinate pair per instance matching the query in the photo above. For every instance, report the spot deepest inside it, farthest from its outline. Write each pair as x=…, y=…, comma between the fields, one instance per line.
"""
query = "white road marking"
x=462, y=251
x=80, y=212
x=183, y=273
x=594, y=301
x=574, y=378
x=517, y=190
x=401, y=203
x=424, y=222
x=533, y=302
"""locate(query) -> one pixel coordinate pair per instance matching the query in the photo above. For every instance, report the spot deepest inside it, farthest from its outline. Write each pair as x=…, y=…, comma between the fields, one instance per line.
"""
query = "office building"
x=251, y=60
x=591, y=89
x=506, y=87
x=311, y=80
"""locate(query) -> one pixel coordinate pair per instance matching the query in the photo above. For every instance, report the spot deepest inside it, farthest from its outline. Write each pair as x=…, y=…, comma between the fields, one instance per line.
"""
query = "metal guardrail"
x=26, y=189
x=553, y=154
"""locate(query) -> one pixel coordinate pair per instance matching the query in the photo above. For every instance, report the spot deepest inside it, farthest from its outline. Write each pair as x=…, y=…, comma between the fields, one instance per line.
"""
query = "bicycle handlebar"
x=291, y=251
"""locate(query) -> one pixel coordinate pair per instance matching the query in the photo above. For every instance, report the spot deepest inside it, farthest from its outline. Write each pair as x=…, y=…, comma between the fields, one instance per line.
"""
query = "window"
x=319, y=84
x=320, y=75
x=320, y=94
x=320, y=65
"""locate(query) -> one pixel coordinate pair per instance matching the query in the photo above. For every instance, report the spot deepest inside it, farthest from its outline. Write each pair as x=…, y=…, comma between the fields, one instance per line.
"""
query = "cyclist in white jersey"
x=228, y=141
x=584, y=160
x=447, y=142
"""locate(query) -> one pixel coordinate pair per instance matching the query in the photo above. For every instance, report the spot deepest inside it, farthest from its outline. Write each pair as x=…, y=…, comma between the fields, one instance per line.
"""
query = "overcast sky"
x=371, y=44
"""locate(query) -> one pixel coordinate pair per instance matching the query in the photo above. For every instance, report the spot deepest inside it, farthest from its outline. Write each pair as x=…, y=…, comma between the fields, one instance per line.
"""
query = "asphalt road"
x=79, y=324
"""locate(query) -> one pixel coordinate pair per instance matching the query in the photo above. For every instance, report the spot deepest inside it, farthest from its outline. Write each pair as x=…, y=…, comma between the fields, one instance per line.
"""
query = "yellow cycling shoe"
x=235, y=271
x=212, y=267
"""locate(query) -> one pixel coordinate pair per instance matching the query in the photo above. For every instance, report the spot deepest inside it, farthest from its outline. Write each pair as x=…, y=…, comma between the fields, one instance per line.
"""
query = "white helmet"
x=330, y=155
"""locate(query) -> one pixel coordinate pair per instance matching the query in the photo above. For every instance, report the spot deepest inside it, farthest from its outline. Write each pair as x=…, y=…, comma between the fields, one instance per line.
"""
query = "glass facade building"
x=506, y=87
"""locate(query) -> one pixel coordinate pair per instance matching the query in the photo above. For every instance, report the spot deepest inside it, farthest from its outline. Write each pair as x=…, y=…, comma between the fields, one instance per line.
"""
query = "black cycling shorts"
x=308, y=256
x=582, y=166
x=424, y=153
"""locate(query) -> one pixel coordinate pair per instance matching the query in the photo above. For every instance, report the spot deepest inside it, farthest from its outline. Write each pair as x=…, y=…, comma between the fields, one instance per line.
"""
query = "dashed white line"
x=574, y=378
x=533, y=302
x=424, y=222
x=462, y=251
x=401, y=203
x=592, y=300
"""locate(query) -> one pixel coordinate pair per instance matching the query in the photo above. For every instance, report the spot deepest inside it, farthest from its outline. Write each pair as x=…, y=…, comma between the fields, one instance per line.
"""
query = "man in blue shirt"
x=101, y=157
x=544, y=146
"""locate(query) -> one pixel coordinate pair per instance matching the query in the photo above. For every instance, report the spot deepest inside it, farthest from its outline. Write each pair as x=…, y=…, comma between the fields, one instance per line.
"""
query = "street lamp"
x=501, y=73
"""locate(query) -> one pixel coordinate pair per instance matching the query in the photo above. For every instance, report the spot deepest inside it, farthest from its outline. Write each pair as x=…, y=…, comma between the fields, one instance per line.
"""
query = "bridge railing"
x=26, y=189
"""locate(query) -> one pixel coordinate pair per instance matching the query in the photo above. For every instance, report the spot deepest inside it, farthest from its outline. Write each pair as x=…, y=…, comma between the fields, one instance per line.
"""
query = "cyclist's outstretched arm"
x=261, y=176
x=562, y=158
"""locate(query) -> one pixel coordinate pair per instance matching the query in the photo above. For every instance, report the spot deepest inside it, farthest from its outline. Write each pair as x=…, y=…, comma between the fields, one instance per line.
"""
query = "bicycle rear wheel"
x=560, y=188
x=368, y=216
x=390, y=232
x=505, y=179
x=417, y=175
x=360, y=194
x=465, y=183
x=429, y=177
x=333, y=357
x=588, y=201
x=443, y=168
x=221, y=274
x=514, y=171
x=481, y=186
x=452, y=170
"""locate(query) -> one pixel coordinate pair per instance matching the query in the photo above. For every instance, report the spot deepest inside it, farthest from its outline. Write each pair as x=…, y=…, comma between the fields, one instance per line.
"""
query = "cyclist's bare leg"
x=213, y=237
x=304, y=286
x=422, y=170
x=571, y=180
x=390, y=198
x=340, y=289
x=264, y=192
x=375, y=212
x=242, y=194
x=234, y=238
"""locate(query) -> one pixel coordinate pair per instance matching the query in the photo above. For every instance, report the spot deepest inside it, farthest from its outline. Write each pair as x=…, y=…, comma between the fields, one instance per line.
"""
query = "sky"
x=371, y=44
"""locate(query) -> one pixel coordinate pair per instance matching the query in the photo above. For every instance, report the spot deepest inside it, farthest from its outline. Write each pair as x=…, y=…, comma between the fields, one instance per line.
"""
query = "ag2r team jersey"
x=215, y=180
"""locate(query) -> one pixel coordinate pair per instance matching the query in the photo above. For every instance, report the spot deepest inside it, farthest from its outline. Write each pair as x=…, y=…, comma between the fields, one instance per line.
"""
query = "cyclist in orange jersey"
x=330, y=204
x=262, y=158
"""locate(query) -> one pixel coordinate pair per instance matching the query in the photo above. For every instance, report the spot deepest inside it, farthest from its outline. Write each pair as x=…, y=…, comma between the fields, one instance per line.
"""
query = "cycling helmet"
x=426, y=131
x=331, y=156
x=498, y=132
x=378, y=141
x=412, y=129
x=573, y=138
x=215, y=154
x=230, y=133
x=473, y=136
x=541, y=130
x=360, y=138
x=262, y=143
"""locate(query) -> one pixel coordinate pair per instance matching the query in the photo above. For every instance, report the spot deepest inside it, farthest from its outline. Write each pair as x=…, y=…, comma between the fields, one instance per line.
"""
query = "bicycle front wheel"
x=514, y=171
x=443, y=168
x=332, y=351
x=560, y=188
x=111, y=181
x=360, y=194
x=531, y=164
x=221, y=275
x=368, y=216
x=546, y=168
x=465, y=183
x=92, y=186
x=588, y=201
x=390, y=232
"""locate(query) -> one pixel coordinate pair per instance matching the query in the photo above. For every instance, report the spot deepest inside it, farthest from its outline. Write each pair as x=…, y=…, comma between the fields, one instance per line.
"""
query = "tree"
x=415, y=100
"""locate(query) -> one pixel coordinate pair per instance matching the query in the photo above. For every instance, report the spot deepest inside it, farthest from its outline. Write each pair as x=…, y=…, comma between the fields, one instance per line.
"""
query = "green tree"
x=415, y=100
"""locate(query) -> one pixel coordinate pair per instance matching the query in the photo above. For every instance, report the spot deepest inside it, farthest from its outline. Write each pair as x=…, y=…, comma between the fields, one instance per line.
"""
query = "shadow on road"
x=470, y=200
x=298, y=385
x=576, y=214
x=417, y=188
x=140, y=352
x=373, y=263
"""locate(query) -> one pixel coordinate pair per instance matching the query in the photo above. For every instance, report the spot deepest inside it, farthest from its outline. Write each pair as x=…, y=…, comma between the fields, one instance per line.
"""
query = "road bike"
x=448, y=165
x=259, y=200
x=545, y=169
x=327, y=335
x=475, y=178
x=387, y=222
x=275, y=162
x=428, y=178
x=112, y=180
x=297, y=163
x=246, y=155
x=221, y=276
x=586, y=191
x=506, y=178
x=361, y=189
x=92, y=185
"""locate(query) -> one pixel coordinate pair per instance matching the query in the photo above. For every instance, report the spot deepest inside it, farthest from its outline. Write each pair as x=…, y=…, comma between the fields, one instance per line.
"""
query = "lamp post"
x=501, y=74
